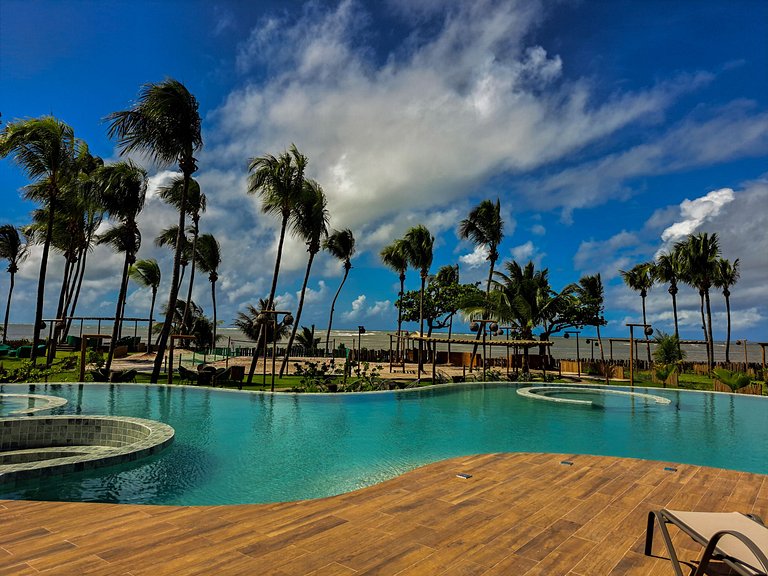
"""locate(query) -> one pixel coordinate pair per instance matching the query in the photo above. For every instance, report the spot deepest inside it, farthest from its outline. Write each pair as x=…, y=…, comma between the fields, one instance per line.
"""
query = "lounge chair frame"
x=711, y=550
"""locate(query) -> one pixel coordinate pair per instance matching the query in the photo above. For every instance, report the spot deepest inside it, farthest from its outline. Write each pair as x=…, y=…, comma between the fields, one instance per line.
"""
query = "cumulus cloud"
x=360, y=310
x=694, y=213
x=525, y=252
x=478, y=257
x=607, y=257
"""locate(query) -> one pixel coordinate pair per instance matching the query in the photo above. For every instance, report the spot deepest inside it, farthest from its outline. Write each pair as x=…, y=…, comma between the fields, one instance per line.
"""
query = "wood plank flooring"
x=519, y=514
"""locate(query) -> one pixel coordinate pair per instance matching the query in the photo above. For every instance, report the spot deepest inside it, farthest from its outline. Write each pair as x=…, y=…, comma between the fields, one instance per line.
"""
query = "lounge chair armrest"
x=712, y=550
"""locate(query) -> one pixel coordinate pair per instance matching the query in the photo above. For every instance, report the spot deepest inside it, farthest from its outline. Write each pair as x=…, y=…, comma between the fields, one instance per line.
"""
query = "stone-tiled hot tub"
x=43, y=446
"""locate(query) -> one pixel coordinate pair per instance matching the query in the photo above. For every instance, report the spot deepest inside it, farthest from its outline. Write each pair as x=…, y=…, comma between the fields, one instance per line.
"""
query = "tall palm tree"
x=395, y=258
x=15, y=251
x=640, y=279
x=418, y=243
x=279, y=181
x=311, y=223
x=45, y=148
x=196, y=203
x=341, y=245
x=668, y=269
x=699, y=253
x=446, y=276
x=147, y=273
x=591, y=297
x=484, y=227
x=209, y=258
x=165, y=124
x=726, y=275
x=123, y=190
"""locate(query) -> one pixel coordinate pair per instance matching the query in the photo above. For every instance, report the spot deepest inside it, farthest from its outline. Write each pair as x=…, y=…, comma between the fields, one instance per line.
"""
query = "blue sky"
x=608, y=130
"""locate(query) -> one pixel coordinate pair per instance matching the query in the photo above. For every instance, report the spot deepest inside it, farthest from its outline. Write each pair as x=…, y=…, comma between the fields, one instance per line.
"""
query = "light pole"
x=647, y=331
x=264, y=318
x=480, y=324
x=578, y=354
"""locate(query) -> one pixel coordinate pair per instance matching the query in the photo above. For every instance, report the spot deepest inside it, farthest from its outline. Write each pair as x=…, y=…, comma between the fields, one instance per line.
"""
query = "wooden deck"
x=519, y=514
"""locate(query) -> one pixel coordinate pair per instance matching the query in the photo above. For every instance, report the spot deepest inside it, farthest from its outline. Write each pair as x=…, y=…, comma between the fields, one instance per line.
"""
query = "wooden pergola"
x=507, y=344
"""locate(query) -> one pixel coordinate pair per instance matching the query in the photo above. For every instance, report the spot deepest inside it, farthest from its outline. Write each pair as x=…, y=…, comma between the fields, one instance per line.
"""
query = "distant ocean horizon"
x=380, y=340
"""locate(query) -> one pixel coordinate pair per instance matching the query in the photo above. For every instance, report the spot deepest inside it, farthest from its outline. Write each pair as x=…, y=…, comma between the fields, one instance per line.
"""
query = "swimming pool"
x=239, y=447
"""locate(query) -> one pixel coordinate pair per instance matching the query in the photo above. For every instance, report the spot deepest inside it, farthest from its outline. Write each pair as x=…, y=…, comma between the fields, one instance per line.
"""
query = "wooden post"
x=434, y=361
x=631, y=358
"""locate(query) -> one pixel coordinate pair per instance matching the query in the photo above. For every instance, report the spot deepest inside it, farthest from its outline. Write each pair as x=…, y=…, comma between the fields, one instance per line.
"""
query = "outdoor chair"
x=100, y=375
x=187, y=375
x=221, y=376
x=124, y=376
x=740, y=541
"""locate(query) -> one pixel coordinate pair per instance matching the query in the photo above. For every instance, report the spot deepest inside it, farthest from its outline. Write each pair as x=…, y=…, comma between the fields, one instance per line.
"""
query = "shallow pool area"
x=239, y=447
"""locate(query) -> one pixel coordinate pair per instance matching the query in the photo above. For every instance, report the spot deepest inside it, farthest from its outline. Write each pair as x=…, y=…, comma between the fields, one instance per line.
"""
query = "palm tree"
x=699, y=254
x=280, y=183
x=310, y=221
x=341, y=245
x=147, y=273
x=418, y=243
x=45, y=148
x=209, y=258
x=640, y=279
x=484, y=227
x=726, y=275
x=164, y=123
x=446, y=276
x=395, y=258
x=13, y=250
x=668, y=269
x=591, y=296
x=123, y=190
x=306, y=339
x=196, y=203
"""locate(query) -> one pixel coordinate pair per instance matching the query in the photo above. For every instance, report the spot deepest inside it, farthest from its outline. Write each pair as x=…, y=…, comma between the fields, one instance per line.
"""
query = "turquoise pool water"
x=233, y=448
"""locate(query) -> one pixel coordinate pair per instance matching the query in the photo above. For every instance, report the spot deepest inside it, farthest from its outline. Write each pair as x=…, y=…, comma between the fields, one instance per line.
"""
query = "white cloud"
x=538, y=230
x=696, y=212
x=360, y=311
x=478, y=257
x=525, y=252
x=607, y=257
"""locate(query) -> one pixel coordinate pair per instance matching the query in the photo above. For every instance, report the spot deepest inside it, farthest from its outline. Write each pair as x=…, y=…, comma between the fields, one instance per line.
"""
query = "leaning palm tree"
x=341, y=245
x=123, y=187
x=699, y=253
x=280, y=183
x=147, y=273
x=668, y=269
x=640, y=279
x=196, y=203
x=726, y=275
x=209, y=258
x=311, y=223
x=395, y=258
x=165, y=124
x=418, y=243
x=45, y=148
x=15, y=251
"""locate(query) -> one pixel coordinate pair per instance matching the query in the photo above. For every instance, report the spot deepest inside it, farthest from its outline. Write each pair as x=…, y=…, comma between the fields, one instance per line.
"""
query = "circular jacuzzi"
x=43, y=446
x=584, y=396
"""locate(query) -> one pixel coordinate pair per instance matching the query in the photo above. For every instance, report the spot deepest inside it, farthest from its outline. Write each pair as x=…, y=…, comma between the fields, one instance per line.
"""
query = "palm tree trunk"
x=421, y=323
x=647, y=342
x=485, y=317
x=271, y=301
x=151, y=319
x=673, y=292
x=7, y=310
x=59, y=310
x=41, y=284
x=298, y=315
x=77, y=289
x=400, y=352
x=195, y=234
x=118, y=312
x=728, y=334
x=165, y=333
x=213, y=302
x=333, y=306
x=709, y=331
x=602, y=353
x=704, y=327
x=70, y=295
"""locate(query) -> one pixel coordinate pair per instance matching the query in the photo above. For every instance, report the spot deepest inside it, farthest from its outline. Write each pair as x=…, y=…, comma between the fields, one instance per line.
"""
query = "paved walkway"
x=519, y=514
